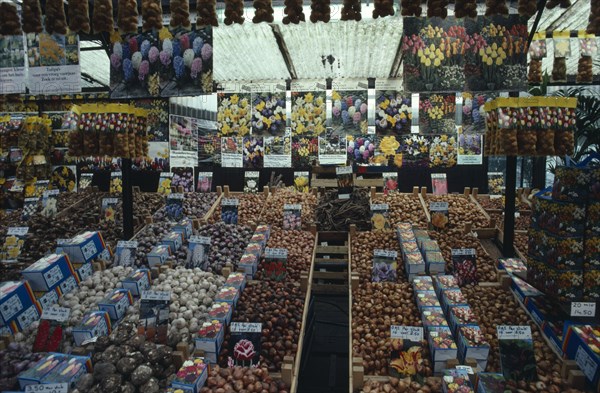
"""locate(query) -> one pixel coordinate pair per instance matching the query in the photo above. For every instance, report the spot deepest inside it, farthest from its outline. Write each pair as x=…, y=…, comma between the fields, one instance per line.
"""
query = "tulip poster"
x=437, y=113
x=53, y=63
x=485, y=53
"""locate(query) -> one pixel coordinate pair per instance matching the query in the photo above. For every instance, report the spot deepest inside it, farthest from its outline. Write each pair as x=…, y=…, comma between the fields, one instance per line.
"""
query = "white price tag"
x=245, y=327
x=385, y=253
x=89, y=341
x=465, y=369
x=492, y=196
x=511, y=332
x=463, y=251
x=205, y=174
x=412, y=333
x=585, y=363
x=109, y=201
x=583, y=309
x=48, y=388
x=438, y=206
x=230, y=202
x=51, y=193
x=127, y=244
x=200, y=239
x=252, y=174
x=380, y=206
x=116, y=174
x=156, y=295
x=343, y=170
x=294, y=206
x=276, y=253
x=176, y=195
x=56, y=313
x=17, y=231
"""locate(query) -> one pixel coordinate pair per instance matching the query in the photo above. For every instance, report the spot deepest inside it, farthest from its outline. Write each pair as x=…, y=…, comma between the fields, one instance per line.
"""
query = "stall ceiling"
x=369, y=48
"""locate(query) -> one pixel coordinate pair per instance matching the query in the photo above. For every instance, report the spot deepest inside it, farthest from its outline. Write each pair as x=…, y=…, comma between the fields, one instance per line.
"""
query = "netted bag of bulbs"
x=537, y=51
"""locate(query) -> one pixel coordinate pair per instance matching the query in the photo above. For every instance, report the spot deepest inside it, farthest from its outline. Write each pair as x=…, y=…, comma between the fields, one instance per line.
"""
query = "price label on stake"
x=55, y=313
x=412, y=333
x=17, y=231
x=127, y=244
x=583, y=309
x=156, y=295
x=245, y=327
x=511, y=332
x=48, y=388
x=585, y=363
x=465, y=369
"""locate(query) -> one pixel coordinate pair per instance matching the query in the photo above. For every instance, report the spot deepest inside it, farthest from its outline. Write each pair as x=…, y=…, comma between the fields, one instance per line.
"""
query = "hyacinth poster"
x=485, y=53
x=134, y=66
x=12, y=64
x=470, y=148
x=268, y=113
x=53, y=63
x=349, y=112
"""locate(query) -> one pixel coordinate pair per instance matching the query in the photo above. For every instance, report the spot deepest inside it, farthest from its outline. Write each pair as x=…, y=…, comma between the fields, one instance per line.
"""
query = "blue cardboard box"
x=69, y=284
x=137, y=282
x=195, y=369
x=236, y=280
x=433, y=316
x=35, y=374
x=48, y=272
x=582, y=344
x=185, y=228
x=221, y=312
x=15, y=296
x=414, y=263
x=69, y=370
x=228, y=295
x=459, y=316
x=451, y=298
x=210, y=337
x=116, y=303
x=173, y=240
x=84, y=247
x=422, y=283
x=28, y=316
x=472, y=343
x=93, y=324
x=426, y=299
x=441, y=343
x=158, y=255
x=83, y=270
x=442, y=282
x=47, y=299
x=435, y=262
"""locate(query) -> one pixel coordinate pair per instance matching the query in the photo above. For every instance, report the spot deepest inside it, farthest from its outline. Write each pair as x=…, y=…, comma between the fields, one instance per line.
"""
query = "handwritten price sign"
x=583, y=309
x=411, y=333
x=55, y=313
x=245, y=327
x=48, y=388
x=508, y=332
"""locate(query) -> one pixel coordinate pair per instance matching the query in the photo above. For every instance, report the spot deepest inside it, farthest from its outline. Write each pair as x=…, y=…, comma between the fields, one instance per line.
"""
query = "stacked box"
x=84, y=247
x=221, y=312
x=173, y=240
x=433, y=317
x=444, y=282
x=93, y=324
x=582, y=344
x=472, y=344
x=459, y=316
x=236, y=280
x=191, y=376
x=491, y=383
x=254, y=250
x=451, y=298
x=442, y=345
x=210, y=339
x=48, y=272
x=137, y=282
x=116, y=303
x=158, y=255
x=18, y=305
x=184, y=228
x=565, y=236
x=69, y=370
x=34, y=375
x=422, y=283
x=426, y=299
x=228, y=295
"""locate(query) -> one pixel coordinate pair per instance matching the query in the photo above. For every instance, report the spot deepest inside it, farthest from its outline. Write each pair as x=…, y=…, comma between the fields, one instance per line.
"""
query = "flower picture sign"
x=349, y=111
x=134, y=66
x=308, y=113
x=485, y=53
x=268, y=114
x=244, y=344
x=234, y=114
x=393, y=113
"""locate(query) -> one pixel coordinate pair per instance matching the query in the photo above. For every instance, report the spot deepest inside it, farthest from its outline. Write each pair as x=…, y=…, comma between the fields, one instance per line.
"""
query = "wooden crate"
x=335, y=269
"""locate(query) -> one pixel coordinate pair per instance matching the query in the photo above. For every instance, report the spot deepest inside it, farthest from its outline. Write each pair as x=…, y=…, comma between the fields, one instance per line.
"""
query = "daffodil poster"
x=268, y=113
x=393, y=113
x=134, y=66
x=442, y=151
x=158, y=118
x=53, y=63
x=308, y=113
x=234, y=114
x=278, y=151
x=63, y=178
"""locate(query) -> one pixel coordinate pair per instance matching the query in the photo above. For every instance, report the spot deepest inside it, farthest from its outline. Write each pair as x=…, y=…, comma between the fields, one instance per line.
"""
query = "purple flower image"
x=469, y=144
x=143, y=70
x=176, y=48
x=165, y=58
x=393, y=113
x=268, y=113
x=153, y=54
x=349, y=112
x=128, y=70
x=126, y=52
x=207, y=51
x=197, y=45
x=115, y=61
x=179, y=66
x=196, y=67
x=383, y=272
x=145, y=48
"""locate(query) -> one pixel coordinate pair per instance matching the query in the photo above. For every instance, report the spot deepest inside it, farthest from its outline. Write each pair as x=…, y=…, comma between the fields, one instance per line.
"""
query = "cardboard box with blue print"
x=28, y=316
x=69, y=370
x=459, y=316
x=523, y=290
x=48, y=272
x=15, y=297
x=192, y=375
x=409, y=247
x=93, y=324
x=426, y=299
x=441, y=344
x=249, y=264
x=69, y=284
x=433, y=316
x=451, y=298
x=173, y=240
x=158, y=255
x=221, y=312
x=83, y=270
x=35, y=374
x=434, y=261
x=137, y=282
x=84, y=247
x=582, y=344
x=472, y=343
x=563, y=219
x=559, y=252
x=444, y=282
x=236, y=280
x=47, y=299
x=184, y=228
x=210, y=338
x=228, y=295
x=414, y=263
x=116, y=303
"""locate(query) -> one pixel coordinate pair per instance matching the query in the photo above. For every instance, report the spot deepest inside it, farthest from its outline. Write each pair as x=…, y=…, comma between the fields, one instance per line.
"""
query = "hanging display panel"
x=135, y=62
x=393, y=113
x=278, y=151
x=304, y=151
x=473, y=112
x=253, y=152
x=480, y=54
x=415, y=150
x=442, y=151
x=183, y=141
x=308, y=113
x=470, y=148
x=437, y=113
x=349, y=112
x=268, y=113
x=53, y=63
x=186, y=62
x=12, y=64
x=158, y=118
x=234, y=114
x=361, y=149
